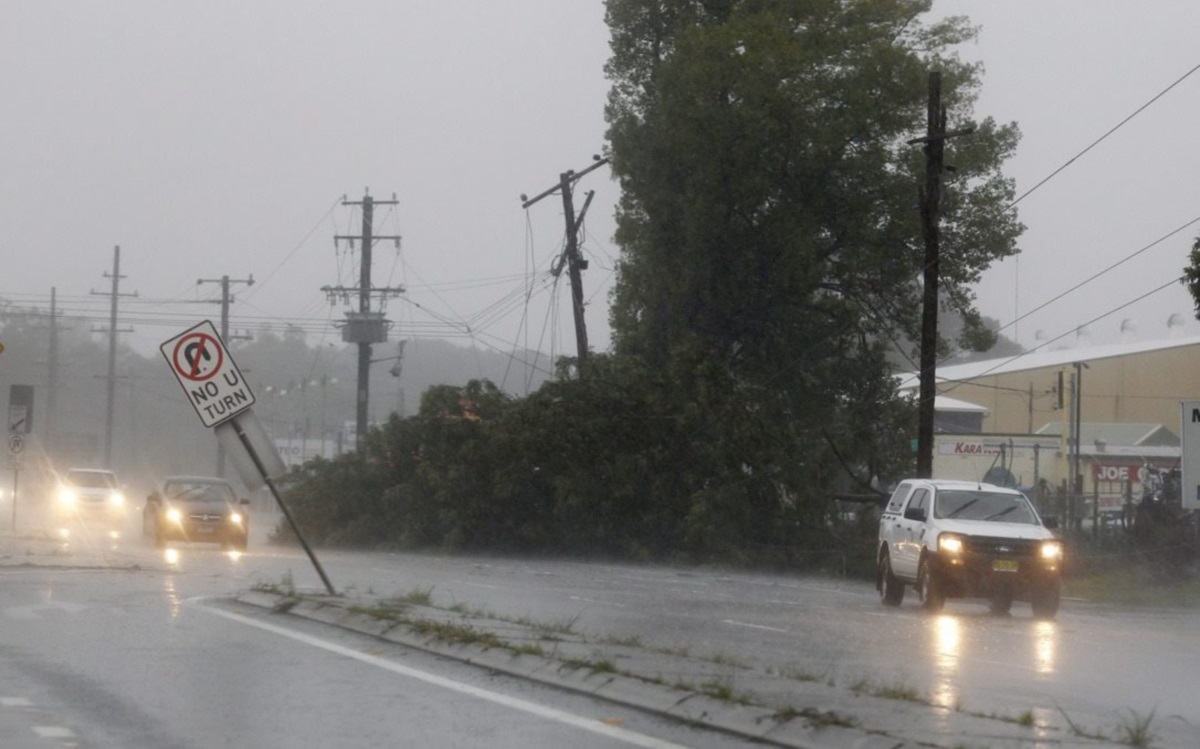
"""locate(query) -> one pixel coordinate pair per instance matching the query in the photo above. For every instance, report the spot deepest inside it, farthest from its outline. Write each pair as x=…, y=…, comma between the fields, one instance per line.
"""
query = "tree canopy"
x=769, y=196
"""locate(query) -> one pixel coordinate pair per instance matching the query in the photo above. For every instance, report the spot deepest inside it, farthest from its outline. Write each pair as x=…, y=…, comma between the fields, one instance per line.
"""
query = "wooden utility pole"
x=365, y=327
x=575, y=263
x=115, y=294
x=931, y=193
x=226, y=298
x=52, y=368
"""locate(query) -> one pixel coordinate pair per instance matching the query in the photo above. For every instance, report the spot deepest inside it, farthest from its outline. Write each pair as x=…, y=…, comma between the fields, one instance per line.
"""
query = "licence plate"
x=1004, y=565
x=205, y=529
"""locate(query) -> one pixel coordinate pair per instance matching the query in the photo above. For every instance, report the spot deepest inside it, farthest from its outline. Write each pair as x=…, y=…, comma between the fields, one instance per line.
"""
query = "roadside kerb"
x=832, y=718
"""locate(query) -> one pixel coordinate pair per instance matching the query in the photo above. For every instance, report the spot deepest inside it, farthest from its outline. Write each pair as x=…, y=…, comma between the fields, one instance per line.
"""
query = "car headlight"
x=1052, y=551
x=116, y=499
x=66, y=497
x=175, y=516
x=950, y=544
x=235, y=518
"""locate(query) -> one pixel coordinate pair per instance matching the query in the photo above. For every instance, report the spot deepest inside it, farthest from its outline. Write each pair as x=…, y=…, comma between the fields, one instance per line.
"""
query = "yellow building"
x=1126, y=393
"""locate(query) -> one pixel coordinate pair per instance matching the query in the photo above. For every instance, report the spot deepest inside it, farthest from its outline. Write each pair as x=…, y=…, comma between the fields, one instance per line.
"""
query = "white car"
x=959, y=539
x=90, y=495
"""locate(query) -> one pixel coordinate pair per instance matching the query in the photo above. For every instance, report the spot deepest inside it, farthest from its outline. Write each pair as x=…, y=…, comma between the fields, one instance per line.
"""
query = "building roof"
x=953, y=405
x=1118, y=435
x=1041, y=359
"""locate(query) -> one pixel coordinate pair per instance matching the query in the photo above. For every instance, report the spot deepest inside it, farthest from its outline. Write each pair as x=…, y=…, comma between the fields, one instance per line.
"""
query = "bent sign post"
x=210, y=378
x=216, y=389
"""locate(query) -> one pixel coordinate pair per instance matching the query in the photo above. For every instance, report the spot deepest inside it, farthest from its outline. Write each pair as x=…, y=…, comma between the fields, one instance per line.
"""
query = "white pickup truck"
x=958, y=539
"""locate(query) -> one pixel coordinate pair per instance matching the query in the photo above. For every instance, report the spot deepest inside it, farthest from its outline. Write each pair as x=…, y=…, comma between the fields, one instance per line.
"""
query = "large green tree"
x=767, y=185
x=768, y=226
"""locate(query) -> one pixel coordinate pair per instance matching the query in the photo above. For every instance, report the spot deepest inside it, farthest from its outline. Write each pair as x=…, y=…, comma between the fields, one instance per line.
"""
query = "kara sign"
x=212, y=381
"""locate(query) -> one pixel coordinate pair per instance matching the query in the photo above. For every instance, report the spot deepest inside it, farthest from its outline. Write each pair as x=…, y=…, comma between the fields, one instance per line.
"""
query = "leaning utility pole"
x=935, y=141
x=226, y=298
x=575, y=263
x=112, y=349
x=365, y=327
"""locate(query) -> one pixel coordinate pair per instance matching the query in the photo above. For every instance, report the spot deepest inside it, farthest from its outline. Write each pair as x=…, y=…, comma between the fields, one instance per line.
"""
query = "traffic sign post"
x=217, y=391
x=207, y=373
x=20, y=423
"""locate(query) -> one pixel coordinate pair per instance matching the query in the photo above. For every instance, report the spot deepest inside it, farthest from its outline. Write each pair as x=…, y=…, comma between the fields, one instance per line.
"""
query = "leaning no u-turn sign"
x=210, y=378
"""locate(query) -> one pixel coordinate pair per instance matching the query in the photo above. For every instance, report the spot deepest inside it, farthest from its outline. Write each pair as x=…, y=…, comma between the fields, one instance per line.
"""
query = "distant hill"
x=299, y=389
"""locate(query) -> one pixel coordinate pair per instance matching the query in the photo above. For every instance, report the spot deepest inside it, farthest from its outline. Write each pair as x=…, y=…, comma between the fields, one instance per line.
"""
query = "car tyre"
x=933, y=597
x=891, y=590
x=1044, y=600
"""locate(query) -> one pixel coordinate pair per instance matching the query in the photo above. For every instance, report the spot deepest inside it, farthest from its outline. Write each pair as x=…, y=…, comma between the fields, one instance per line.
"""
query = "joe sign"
x=208, y=374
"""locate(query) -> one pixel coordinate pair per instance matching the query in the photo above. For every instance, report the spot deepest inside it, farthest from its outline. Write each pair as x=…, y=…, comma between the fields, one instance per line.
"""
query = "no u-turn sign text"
x=210, y=378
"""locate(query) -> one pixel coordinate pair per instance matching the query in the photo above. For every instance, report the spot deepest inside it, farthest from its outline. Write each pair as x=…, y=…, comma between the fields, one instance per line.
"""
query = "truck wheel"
x=891, y=590
x=1044, y=600
x=930, y=587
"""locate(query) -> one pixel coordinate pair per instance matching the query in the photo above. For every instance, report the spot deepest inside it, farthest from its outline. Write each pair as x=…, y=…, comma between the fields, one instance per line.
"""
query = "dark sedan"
x=196, y=509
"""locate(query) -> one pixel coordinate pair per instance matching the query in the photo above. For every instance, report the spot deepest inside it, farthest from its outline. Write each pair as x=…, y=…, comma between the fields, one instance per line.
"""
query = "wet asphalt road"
x=138, y=654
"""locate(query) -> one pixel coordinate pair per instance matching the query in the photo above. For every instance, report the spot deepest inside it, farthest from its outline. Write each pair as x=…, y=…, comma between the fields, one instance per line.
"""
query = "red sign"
x=197, y=357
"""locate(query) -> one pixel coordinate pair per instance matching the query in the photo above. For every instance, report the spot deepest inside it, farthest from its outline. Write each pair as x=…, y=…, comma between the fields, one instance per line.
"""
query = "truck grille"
x=1002, y=547
x=204, y=517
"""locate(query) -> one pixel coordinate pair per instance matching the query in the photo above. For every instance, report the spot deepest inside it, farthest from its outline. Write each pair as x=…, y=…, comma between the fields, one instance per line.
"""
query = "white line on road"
x=549, y=713
x=755, y=626
x=53, y=732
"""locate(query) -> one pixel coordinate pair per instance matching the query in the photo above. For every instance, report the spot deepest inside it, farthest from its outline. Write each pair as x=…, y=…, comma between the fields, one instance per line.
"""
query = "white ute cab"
x=959, y=539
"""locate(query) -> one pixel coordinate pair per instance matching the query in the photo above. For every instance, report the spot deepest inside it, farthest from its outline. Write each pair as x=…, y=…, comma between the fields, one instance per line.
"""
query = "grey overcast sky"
x=217, y=138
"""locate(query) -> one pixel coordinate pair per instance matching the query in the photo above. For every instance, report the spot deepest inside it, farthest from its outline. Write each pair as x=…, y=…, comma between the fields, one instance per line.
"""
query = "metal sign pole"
x=246, y=443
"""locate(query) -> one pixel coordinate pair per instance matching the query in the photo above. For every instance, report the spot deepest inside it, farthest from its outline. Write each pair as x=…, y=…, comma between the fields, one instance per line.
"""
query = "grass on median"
x=1134, y=586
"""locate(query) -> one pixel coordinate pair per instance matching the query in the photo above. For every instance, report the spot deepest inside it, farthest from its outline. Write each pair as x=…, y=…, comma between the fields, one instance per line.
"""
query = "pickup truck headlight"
x=950, y=544
x=1052, y=551
x=116, y=499
x=235, y=518
x=66, y=497
x=175, y=516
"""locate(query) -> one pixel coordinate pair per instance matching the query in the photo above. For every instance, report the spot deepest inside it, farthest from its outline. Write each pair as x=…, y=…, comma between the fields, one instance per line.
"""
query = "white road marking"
x=755, y=626
x=37, y=610
x=53, y=732
x=15, y=702
x=542, y=711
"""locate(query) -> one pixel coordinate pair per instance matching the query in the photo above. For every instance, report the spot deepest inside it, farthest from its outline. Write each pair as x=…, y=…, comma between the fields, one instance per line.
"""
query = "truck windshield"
x=982, y=505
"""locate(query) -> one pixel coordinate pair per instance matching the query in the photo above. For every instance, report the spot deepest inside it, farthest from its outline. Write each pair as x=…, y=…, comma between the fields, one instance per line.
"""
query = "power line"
x=1118, y=308
x=1097, y=142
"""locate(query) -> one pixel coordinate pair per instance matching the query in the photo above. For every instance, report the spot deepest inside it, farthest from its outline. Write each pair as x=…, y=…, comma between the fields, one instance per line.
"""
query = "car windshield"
x=199, y=491
x=92, y=479
x=983, y=505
